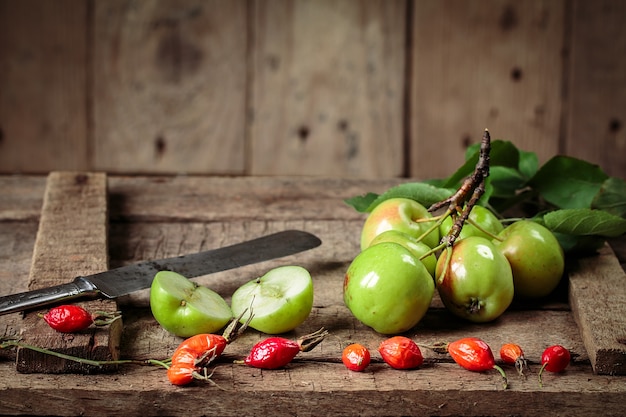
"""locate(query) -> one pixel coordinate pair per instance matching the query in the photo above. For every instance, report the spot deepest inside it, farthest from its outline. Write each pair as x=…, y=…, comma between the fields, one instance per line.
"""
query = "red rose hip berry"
x=554, y=359
x=70, y=318
x=400, y=352
x=513, y=354
x=356, y=357
x=475, y=355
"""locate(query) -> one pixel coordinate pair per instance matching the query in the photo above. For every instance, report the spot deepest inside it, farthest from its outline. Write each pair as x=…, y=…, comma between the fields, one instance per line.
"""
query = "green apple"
x=280, y=300
x=535, y=255
x=403, y=215
x=479, y=215
x=474, y=280
x=387, y=288
x=416, y=247
x=185, y=308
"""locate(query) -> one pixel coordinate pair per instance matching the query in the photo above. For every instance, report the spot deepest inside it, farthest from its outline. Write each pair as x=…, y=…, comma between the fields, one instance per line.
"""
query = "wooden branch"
x=469, y=192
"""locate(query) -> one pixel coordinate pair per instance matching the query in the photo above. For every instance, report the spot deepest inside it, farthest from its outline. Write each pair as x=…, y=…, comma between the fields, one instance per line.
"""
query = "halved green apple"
x=185, y=308
x=280, y=300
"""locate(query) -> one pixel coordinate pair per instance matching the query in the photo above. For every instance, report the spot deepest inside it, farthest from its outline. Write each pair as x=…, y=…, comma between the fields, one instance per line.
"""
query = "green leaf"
x=568, y=182
x=579, y=245
x=506, y=181
x=361, y=203
x=611, y=197
x=503, y=153
x=435, y=182
x=584, y=222
x=528, y=164
x=423, y=193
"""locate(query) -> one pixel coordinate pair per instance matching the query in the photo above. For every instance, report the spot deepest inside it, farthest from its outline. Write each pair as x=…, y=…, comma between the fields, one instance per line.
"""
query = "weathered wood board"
x=309, y=87
x=506, y=76
x=72, y=240
x=43, y=78
x=327, y=88
x=169, y=86
x=153, y=217
x=598, y=302
x=597, y=76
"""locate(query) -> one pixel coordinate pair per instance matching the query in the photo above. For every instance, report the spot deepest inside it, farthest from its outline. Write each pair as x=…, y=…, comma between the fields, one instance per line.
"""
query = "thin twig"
x=16, y=343
x=469, y=192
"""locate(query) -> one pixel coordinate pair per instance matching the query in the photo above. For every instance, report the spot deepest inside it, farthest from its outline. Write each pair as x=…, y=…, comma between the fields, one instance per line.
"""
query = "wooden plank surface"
x=72, y=240
x=327, y=88
x=169, y=86
x=20, y=208
x=489, y=64
x=596, y=85
x=316, y=383
x=43, y=70
x=22, y=197
x=296, y=87
x=598, y=301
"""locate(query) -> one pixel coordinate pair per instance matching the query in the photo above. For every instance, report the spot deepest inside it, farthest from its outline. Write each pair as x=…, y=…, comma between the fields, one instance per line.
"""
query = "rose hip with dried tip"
x=475, y=355
x=277, y=352
x=513, y=354
x=191, y=357
x=70, y=318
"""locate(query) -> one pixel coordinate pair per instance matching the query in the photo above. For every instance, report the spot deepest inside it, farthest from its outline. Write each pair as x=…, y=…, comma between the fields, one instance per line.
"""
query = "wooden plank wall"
x=350, y=88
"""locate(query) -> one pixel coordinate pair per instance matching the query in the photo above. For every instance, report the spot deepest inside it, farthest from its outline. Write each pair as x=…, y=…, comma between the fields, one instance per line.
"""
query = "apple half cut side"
x=185, y=308
x=280, y=300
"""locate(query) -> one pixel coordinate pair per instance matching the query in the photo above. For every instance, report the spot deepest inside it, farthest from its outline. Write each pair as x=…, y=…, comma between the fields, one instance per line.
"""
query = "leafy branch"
x=575, y=199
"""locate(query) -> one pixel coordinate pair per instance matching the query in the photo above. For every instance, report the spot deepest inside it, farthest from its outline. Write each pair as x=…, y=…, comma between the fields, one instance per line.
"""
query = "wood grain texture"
x=357, y=88
x=327, y=88
x=491, y=64
x=22, y=197
x=72, y=240
x=237, y=198
x=316, y=383
x=169, y=86
x=43, y=74
x=438, y=390
x=598, y=301
x=596, y=116
x=17, y=240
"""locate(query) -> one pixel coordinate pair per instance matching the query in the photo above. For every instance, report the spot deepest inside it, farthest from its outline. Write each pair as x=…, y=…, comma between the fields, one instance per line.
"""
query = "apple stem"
x=431, y=251
x=468, y=193
x=446, y=265
x=436, y=223
x=482, y=229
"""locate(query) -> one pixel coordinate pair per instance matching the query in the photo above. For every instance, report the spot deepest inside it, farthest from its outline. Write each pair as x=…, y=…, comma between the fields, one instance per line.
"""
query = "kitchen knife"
x=127, y=279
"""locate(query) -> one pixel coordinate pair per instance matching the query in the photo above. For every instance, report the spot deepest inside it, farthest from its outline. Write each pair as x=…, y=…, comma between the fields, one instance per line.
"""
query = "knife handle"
x=37, y=298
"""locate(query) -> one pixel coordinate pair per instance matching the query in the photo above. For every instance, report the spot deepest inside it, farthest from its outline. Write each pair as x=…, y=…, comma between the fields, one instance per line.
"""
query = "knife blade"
x=130, y=278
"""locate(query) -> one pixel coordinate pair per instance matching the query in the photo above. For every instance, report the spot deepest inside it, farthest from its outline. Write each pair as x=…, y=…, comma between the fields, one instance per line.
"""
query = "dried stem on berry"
x=309, y=341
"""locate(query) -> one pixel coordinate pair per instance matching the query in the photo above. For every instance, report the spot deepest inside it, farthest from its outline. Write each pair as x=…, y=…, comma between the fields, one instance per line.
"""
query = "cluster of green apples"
x=390, y=284
x=278, y=301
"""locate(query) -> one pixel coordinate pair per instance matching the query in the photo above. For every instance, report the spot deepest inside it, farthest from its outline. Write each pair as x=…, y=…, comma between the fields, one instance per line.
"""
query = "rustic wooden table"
x=54, y=228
